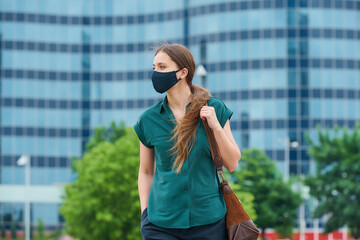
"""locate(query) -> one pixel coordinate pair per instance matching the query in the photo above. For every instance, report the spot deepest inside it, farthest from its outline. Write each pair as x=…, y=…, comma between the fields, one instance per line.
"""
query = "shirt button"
x=185, y=190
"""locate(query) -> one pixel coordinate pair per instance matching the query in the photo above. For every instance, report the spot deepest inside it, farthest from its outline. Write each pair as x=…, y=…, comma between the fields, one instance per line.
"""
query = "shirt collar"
x=164, y=106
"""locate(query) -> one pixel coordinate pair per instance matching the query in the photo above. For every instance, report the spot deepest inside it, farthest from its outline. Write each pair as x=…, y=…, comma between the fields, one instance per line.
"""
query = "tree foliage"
x=102, y=134
x=275, y=201
x=3, y=231
x=336, y=181
x=103, y=202
x=40, y=235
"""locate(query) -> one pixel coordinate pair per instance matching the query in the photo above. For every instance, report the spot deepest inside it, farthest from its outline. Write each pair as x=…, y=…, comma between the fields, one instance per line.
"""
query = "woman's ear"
x=184, y=73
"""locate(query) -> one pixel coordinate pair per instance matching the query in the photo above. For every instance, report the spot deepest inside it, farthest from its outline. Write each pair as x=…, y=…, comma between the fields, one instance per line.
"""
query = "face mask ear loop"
x=177, y=71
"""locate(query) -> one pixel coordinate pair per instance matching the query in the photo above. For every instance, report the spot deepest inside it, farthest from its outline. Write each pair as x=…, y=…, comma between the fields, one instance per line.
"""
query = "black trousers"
x=213, y=231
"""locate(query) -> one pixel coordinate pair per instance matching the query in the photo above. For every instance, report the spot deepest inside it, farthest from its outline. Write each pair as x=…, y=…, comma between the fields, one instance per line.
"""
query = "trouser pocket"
x=143, y=218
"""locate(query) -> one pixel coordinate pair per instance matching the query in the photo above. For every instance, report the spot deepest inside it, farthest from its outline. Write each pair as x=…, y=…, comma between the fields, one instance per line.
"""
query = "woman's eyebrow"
x=159, y=63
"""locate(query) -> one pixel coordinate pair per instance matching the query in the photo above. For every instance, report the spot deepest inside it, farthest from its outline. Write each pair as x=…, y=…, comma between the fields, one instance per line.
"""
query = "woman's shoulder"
x=215, y=102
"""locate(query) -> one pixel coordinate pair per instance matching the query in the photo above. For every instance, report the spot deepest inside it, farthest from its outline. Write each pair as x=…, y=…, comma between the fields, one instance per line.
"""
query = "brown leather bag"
x=238, y=223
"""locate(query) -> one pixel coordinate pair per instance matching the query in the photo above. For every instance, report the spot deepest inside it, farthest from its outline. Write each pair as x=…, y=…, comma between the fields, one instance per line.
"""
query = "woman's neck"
x=179, y=96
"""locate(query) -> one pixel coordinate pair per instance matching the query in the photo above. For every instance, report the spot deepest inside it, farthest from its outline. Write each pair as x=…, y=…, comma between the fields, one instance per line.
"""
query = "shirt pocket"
x=163, y=155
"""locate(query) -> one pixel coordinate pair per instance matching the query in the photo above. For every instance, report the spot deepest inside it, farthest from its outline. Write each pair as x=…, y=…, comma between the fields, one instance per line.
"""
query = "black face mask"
x=163, y=81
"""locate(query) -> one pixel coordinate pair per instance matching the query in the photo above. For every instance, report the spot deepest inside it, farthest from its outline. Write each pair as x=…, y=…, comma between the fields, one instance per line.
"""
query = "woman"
x=179, y=190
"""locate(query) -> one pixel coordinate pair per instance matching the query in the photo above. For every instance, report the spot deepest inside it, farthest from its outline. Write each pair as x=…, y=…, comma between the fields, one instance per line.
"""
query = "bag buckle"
x=221, y=173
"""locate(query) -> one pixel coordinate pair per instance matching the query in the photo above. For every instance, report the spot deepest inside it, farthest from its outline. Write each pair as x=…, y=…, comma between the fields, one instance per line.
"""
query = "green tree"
x=103, y=202
x=56, y=235
x=32, y=234
x=336, y=181
x=40, y=230
x=101, y=134
x=13, y=232
x=275, y=201
x=246, y=198
x=3, y=231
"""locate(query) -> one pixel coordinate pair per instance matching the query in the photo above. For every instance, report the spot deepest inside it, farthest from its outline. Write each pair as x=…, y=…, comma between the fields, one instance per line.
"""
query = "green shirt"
x=192, y=197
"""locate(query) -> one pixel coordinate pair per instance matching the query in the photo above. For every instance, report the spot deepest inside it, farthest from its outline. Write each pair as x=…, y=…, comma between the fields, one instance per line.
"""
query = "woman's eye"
x=162, y=67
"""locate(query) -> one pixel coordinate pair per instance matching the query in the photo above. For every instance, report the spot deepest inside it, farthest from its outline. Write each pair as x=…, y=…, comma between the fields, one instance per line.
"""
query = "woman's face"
x=163, y=63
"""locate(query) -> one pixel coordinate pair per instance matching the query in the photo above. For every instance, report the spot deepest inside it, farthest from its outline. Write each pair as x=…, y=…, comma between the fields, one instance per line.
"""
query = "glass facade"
x=69, y=66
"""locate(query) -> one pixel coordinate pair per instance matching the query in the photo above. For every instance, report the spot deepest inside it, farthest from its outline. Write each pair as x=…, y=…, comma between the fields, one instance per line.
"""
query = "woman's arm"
x=146, y=174
x=229, y=151
x=228, y=148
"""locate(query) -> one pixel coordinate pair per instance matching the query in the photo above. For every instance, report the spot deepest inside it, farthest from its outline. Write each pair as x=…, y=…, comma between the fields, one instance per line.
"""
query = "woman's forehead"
x=162, y=57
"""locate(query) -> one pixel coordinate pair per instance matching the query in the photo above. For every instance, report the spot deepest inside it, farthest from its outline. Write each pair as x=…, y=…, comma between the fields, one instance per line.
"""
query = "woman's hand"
x=209, y=114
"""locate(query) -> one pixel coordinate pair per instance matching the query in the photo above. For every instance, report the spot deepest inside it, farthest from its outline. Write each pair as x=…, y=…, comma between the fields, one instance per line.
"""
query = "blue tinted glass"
x=256, y=109
x=268, y=139
x=304, y=108
x=293, y=108
x=6, y=144
x=292, y=48
x=257, y=139
x=243, y=110
x=351, y=105
x=315, y=108
x=7, y=175
x=63, y=175
x=40, y=146
x=8, y=6
x=46, y=212
x=8, y=56
x=328, y=106
x=303, y=18
x=252, y=19
x=280, y=109
x=6, y=116
x=339, y=109
x=333, y=18
x=291, y=17
x=38, y=176
x=39, y=89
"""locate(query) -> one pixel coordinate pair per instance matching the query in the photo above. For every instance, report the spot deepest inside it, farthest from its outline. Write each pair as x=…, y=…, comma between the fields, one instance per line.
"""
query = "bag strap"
x=217, y=160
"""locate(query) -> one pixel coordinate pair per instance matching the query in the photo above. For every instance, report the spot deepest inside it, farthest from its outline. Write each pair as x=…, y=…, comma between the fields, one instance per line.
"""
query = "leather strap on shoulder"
x=218, y=162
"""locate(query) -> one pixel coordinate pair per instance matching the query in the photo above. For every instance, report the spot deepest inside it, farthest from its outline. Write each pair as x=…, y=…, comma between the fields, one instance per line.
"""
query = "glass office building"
x=69, y=66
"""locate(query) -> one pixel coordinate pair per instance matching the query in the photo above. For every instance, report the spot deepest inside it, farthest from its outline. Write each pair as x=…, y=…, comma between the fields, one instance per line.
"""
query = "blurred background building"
x=69, y=66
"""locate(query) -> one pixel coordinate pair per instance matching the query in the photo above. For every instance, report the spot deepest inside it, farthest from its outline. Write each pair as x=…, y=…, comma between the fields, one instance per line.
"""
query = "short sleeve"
x=138, y=127
x=223, y=113
x=226, y=115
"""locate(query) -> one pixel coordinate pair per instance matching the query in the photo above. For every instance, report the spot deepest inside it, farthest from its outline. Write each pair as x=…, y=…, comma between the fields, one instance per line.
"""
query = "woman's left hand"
x=208, y=113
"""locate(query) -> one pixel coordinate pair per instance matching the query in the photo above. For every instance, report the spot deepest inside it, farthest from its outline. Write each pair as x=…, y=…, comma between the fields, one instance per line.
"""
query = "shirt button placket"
x=186, y=190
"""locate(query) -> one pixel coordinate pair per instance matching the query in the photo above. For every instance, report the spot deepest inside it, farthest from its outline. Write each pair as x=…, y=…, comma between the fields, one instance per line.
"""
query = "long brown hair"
x=185, y=130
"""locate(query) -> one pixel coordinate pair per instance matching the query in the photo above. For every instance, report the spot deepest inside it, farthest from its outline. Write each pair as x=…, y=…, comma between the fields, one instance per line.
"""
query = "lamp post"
x=287, y=145
x=304, y=190
x=24, y=160
x=304, y=193
x=202, y=73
